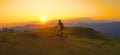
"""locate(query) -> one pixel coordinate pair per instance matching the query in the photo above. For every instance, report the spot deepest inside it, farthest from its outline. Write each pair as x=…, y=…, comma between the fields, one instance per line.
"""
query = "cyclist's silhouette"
x=60, y=26
x=57, y=32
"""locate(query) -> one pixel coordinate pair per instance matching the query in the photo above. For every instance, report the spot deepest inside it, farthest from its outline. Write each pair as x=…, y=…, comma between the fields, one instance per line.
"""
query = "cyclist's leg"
x=63, y=35
x=60, y=31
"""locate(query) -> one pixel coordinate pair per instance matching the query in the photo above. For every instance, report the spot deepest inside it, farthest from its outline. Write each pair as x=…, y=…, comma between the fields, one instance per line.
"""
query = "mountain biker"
x=58, y=31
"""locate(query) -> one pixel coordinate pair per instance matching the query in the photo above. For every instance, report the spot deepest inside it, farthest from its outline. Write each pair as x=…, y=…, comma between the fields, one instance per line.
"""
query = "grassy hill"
x=80, y=41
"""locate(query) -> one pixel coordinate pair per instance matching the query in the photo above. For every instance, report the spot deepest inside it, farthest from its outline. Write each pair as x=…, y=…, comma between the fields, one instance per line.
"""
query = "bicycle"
x=58, y=35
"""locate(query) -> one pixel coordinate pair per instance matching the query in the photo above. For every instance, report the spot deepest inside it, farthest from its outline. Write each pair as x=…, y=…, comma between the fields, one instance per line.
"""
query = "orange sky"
x=12, y=11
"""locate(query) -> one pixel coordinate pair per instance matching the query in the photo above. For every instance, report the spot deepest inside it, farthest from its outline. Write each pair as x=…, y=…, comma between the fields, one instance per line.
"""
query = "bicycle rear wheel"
x=63, y=36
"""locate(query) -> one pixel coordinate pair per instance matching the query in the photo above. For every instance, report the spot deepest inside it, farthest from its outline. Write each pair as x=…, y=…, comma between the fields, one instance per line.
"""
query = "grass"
x=39, y=42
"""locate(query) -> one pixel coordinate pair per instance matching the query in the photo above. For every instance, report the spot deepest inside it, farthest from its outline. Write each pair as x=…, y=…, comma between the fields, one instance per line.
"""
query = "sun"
x=43, y=19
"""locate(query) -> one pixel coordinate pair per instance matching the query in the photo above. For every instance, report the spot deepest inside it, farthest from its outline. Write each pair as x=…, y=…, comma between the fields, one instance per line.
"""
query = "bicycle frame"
x=56, y=34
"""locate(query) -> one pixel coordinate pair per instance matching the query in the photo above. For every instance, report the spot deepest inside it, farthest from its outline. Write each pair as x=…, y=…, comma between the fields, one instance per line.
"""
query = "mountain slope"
x=110, y=29
x=80, y=41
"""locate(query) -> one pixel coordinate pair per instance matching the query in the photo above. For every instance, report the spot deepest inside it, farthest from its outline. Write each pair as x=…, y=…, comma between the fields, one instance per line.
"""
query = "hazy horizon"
x=76, y=20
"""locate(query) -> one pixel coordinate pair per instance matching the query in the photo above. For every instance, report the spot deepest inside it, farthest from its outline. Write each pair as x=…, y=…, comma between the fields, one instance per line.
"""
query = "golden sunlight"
x=43, y=19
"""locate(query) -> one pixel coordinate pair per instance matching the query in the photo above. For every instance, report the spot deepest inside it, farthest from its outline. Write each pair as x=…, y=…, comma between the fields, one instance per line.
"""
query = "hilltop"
x=80, y=41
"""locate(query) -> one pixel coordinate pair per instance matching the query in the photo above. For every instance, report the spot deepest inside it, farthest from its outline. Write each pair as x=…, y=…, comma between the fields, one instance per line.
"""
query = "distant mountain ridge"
x=110, y=28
